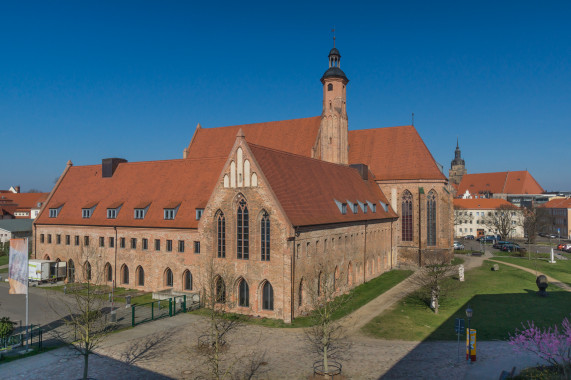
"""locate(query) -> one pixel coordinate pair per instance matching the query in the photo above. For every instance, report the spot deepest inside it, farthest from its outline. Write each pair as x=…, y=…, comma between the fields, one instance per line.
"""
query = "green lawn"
x=561, y=270
x=359, y=296
x=501, y=301
x=4, y=260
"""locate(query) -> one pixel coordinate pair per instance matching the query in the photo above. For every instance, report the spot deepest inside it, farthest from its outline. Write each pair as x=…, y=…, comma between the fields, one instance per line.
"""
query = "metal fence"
x=18, y=339
x=151, y=311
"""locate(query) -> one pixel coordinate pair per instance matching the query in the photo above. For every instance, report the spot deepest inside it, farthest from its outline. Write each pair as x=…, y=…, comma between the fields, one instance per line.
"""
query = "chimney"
x=362, y=169
x=17, y=188
x=108, y=166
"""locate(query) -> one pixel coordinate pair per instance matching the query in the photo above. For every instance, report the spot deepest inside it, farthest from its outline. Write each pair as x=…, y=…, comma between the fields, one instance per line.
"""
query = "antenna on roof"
x=413, y=119
x=333, y=31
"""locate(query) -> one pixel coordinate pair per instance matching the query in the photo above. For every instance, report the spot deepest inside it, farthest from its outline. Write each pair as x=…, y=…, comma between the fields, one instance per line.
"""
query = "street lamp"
x=469, y=313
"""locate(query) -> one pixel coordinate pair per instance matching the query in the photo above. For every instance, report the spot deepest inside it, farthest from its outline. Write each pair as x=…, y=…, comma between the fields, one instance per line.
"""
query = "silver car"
x=458, y=245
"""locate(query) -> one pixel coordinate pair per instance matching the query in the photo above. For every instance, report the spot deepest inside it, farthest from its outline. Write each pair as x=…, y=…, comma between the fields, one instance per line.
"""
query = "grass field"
x=359, y=296
x=501, y=301
x=561, y=270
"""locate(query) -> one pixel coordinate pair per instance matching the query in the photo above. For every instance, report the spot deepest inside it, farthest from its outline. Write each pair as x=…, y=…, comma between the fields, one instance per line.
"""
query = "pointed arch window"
x=169, y=281
x=140, y=272
x=243, y=294
x=220, y=290
x=187, y=280
x=242, y=230
x=70, y=271
x=431, y=218
x=125, y=274
x=221, y=234
x=406, y=216
x=87, y=269
x=265, y=236
x=108, y=272
x=268, y=296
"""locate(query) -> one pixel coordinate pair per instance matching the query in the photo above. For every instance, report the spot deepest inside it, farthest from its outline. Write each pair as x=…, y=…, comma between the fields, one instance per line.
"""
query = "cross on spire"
x=333, y=31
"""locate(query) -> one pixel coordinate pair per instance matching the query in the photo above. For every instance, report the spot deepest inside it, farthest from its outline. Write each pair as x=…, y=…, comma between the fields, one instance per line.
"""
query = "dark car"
x=469, y=237
x=500, y=243
x=512, y=248
x=487, y=239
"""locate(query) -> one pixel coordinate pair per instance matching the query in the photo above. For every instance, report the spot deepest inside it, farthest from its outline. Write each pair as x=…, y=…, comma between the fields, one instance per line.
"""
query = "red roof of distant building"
x=518, y=182
x=482, y=203
x=25, y=200
x=558, y=203
x=307, y=188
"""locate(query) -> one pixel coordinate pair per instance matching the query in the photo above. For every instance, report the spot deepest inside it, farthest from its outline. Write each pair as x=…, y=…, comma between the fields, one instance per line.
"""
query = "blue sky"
x=85, y=80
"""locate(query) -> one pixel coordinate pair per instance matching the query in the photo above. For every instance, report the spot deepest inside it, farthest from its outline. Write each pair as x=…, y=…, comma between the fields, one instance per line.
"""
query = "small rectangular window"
x=157, y=245
x=87, y=212
x=365, y=207
x=374, y=207
x=49, y=238
x=58, y=239
x=42, y=238
x=169, y=245
x=122, y=242
x=355, y=208
x=181, y=245
x=170, y=213
x=133, y=243
x=344, y=208
x=111, y=242
x=199, y=212
x=54, y=212
x=86, y=241
x=101, y=241
x=76, y=240
x=140, y=213
x=145, y=244
x=67, y=239
x=197, y=247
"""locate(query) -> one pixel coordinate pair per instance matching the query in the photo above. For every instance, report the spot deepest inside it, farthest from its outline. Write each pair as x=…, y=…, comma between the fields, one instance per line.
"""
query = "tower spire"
x=333, y=31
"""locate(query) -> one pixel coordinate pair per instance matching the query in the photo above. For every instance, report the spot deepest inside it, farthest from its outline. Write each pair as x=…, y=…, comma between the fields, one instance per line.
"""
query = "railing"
x=151, y=311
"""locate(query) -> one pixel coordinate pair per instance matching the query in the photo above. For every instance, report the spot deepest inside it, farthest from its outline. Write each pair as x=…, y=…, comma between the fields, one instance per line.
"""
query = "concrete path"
x=551, y=280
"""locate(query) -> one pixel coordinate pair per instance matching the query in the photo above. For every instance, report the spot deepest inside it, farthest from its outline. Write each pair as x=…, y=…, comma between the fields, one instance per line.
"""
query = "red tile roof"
x=25, y=200
x=160, y=183
x=482, y=203
x=519, y=182
x=394, y=153
x=558, y=203
x=295, y=136
x=307, y=188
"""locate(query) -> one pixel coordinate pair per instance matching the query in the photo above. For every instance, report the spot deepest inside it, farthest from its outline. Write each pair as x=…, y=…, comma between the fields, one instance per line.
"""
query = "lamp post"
x=469, y=313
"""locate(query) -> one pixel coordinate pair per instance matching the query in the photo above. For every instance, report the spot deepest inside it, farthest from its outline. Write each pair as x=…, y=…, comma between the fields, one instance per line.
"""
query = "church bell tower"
x=457, y=166
x=333, y=140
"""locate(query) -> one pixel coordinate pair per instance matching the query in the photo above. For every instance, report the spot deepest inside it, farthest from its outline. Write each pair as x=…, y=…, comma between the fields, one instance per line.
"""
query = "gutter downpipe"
x=365, y=256
x=419, y=230
x=392, y=221
x=293, y=275
x=35, y=242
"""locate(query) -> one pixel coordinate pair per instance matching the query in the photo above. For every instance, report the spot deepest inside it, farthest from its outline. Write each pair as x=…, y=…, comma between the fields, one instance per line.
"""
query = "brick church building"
x=271, y=201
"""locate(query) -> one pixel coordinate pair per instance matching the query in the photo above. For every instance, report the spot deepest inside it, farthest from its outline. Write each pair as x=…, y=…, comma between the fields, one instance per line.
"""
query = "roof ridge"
x=297, y=155
x=260, y=122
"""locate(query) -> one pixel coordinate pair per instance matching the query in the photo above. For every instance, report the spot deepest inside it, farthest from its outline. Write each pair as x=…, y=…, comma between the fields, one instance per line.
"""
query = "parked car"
x=487, y=239
x=512, y=247
x=553, y=236
x=566, y=247
x=543, y=234
x=500, y=243
x=469, y=237
x=458, y=245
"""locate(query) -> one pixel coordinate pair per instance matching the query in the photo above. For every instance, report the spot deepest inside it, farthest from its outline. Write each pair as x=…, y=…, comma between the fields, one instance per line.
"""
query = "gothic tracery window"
x=221, y=234
x=406, y=216
x=268, y=296
x=242, y=230
x=431, y=218
x=243, y=294
x=265, y=236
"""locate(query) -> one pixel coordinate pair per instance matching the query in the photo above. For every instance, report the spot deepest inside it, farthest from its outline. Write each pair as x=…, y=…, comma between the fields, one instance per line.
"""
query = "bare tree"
x=462, y=216
x=530, y=223
x=81, y=308
x=430, y=277
x=326, y=337
x=504, y=220
x=219, y=281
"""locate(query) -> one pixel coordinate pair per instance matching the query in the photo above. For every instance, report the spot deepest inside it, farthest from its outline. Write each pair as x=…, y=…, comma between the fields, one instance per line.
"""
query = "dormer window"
x=373, y=207
x=54, y=212
x=170, y=212
x=199, y=212
x=141, y=210
x=355, y=208
x=87, y=211
x=365, y=207
x=113, y=210
x=343, y=208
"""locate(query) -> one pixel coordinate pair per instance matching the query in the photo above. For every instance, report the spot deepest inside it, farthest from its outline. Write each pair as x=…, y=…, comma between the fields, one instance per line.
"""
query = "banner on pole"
x=471, y=345
x=18, y=266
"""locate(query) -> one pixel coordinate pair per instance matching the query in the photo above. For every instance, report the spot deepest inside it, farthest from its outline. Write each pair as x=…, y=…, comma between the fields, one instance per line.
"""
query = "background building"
x=472, y=217
x=554, y=217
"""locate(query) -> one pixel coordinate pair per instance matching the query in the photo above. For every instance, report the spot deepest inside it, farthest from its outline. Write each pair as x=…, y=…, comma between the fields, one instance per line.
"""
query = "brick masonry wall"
x=408, y=252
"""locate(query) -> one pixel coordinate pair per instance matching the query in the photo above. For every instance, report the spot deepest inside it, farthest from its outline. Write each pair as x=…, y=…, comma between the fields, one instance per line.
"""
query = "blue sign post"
x=459, y=328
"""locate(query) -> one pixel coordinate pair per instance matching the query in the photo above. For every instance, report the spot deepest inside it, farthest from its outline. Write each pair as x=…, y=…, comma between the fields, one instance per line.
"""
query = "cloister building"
x=271, y=201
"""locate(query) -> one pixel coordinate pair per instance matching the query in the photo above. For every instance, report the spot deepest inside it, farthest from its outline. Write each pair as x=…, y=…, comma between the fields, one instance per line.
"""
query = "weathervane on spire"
x=333, y=31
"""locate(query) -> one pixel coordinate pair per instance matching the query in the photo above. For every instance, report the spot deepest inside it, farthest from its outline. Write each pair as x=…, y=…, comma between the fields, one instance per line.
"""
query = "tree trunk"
x=85, y=365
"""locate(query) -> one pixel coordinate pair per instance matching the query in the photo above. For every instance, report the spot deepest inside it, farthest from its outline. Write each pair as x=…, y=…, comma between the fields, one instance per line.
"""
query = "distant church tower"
x=457, y=167
x=333, y=138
